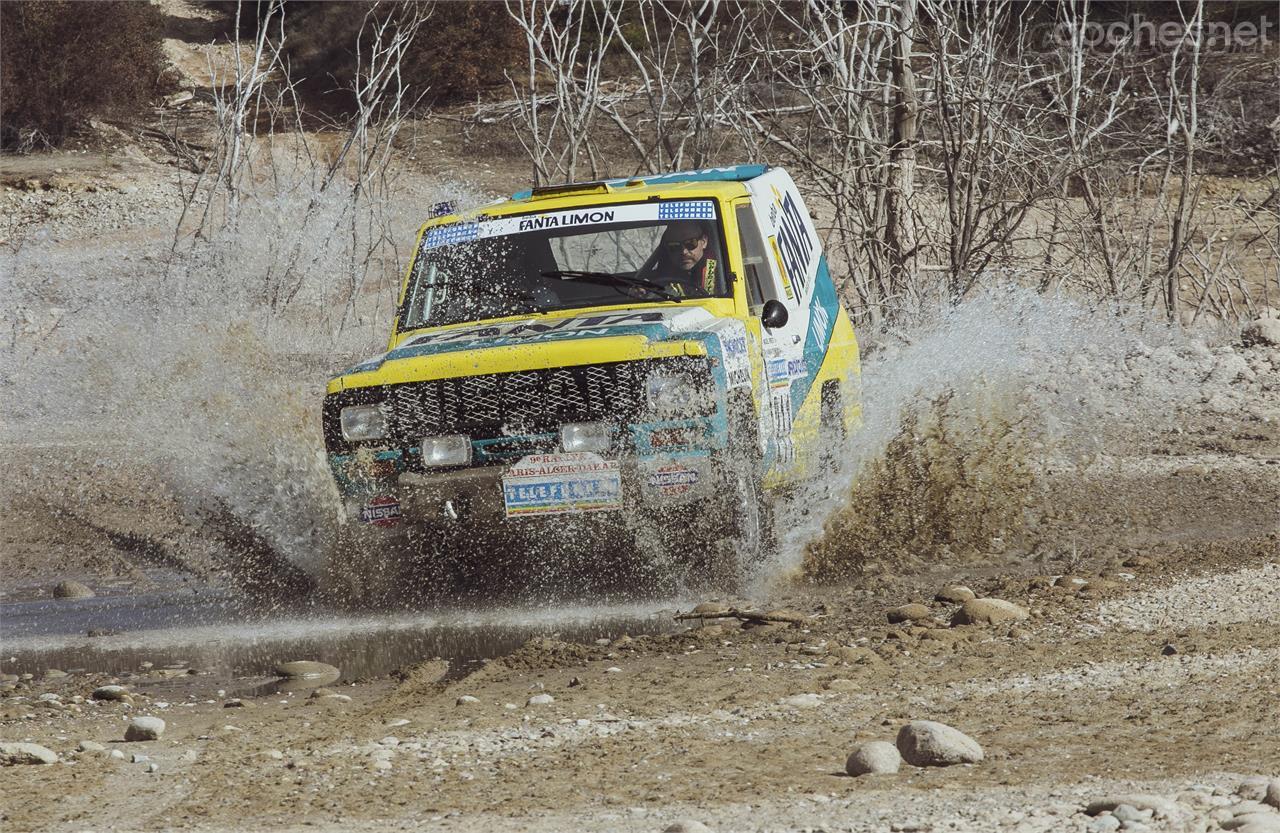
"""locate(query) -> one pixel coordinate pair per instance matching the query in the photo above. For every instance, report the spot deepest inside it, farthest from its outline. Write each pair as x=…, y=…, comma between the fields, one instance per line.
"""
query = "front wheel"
x=365, y=567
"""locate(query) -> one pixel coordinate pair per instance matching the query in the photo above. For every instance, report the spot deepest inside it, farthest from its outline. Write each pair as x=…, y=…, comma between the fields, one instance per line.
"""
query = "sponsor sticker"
x=383, y=510
x=673, y=479
x=557, y=484
x=468, y=231
x=737, y=365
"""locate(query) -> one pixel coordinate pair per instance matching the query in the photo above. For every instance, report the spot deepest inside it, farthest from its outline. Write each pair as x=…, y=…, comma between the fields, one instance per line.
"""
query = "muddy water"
x=215, y=635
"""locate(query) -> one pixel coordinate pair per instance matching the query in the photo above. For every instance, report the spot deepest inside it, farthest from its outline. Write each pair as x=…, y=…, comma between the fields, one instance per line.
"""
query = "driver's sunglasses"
x=688, y=245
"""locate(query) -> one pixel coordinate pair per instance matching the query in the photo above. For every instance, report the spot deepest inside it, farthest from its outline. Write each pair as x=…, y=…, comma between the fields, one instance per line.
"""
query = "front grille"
x=524, y=402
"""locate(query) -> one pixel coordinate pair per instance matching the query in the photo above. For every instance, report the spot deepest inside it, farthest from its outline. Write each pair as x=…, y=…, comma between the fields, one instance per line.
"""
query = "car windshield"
x=666, y=250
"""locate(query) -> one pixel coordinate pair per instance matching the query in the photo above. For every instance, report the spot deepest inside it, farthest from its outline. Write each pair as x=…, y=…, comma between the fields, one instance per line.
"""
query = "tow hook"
x=455, y=509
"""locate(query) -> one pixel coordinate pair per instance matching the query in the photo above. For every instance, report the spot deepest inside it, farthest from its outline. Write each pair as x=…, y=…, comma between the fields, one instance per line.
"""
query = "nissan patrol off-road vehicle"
x=622, y=362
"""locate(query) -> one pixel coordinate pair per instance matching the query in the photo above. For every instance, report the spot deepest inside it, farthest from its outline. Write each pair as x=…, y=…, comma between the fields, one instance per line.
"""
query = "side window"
x=754, y=261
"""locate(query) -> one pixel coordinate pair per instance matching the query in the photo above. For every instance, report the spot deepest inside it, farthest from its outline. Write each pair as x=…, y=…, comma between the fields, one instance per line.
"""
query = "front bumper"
x=379, y=489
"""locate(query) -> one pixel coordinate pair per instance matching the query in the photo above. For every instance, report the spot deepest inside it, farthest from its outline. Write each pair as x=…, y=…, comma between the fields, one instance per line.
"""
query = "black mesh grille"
x=524, y=402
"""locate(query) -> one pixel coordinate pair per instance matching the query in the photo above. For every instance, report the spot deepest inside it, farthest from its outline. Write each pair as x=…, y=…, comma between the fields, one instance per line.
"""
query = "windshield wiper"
x=612, y=280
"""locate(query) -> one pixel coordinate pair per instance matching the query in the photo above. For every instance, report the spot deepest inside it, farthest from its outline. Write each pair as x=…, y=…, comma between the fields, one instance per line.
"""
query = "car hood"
x=540, y=342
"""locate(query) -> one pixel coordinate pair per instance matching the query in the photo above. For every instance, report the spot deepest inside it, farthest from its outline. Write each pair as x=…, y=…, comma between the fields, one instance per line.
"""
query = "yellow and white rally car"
x=649, y=357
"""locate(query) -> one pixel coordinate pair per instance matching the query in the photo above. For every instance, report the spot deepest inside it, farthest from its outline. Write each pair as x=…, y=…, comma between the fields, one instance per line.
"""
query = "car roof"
x=725, y=182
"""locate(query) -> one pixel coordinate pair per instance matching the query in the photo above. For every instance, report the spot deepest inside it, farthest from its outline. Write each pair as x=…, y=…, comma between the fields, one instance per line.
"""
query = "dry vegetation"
x=949, y=145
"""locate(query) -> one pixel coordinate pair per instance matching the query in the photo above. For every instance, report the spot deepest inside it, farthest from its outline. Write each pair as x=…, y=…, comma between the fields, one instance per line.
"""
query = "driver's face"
x=683, y=244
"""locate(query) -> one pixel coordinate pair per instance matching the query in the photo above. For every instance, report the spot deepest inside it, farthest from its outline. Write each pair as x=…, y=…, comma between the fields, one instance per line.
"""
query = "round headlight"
x=363, y=422
x=671, y=393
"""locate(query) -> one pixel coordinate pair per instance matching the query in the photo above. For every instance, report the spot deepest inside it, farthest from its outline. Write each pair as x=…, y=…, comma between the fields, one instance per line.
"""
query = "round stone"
x=907, y=613
x=306, y=670
x=929, y=743
x=110, y=692
x=467, y=700
x=989, y=612
x=72, y=590
x=540, y=700
x=18, y=754
x=144, y=728
x=876, y=757
x=956, y=594
x=686, y=826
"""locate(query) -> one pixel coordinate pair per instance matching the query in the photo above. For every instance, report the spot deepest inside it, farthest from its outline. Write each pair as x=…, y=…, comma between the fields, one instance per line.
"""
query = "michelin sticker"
x=557, y=484
x=673, y=479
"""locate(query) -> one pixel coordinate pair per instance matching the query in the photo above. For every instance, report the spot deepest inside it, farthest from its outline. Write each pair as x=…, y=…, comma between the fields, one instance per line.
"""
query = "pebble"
x=1254, y=788
x=72, y=590
x=153, y=767
x=116, y=754
x=686, y=826
x=144, y=728
x=540, y=700
x=90, y=746
x=306, y=669
x=929, y=743
x=841, y=684
x=802, y=701
x=335, y=698
x=55, y=674
x=856, y=656
x=233, y=703
x=111, y=692
x=907, y=613
x=12, y=754
x=989, y=612
x=1273, y=793
x=1162, y=807
x=390, y=740
x=1105, y=823
x=956, y=594
x=873, y=758
x=1127, y=813
x=467, y=700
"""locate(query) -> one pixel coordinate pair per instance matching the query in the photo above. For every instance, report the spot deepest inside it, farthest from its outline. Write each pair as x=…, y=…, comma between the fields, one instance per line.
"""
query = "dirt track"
x=1158, y=672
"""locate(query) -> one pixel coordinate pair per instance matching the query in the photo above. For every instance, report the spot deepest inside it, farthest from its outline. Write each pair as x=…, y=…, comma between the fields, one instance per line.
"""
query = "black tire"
x=365, y=567
x=742, y=542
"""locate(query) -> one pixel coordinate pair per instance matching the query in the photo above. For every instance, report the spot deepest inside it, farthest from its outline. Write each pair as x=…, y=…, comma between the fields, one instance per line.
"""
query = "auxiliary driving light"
x=363, y=422
x=586, y=436
x=448, y=450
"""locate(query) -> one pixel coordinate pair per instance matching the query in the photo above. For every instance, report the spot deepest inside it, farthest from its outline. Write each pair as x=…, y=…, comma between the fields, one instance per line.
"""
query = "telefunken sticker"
x=557, y=484
x=383, y=510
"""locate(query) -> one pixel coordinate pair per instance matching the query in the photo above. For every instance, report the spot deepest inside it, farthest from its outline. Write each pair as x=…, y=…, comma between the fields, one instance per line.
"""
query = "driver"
x=682, y=260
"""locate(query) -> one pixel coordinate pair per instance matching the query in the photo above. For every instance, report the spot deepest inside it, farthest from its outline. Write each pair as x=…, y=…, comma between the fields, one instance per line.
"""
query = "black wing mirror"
x=774, y=314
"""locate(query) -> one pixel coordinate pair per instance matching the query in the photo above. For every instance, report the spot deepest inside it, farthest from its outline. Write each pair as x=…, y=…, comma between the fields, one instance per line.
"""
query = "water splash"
x=206, y=364
x=967, y=416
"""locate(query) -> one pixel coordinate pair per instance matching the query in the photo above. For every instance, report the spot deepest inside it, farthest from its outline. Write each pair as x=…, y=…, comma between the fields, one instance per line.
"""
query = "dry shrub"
x=952, y=485
x=63, y=63
x=462, y=51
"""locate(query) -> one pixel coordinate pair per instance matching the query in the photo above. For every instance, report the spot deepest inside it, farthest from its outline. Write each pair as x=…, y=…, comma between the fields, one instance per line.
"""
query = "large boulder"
x=928, y=743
